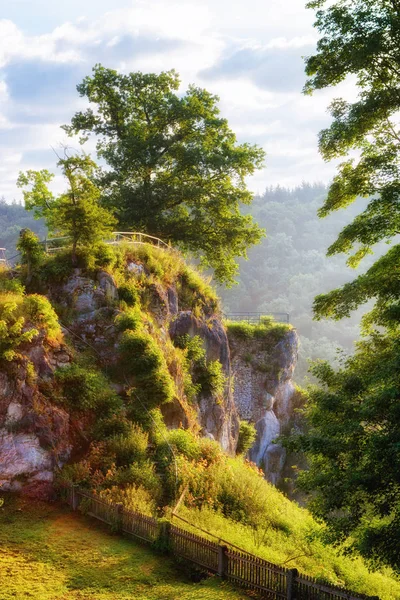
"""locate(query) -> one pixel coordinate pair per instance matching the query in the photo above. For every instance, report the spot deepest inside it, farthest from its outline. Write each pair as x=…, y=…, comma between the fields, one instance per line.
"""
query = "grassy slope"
x=49, y=553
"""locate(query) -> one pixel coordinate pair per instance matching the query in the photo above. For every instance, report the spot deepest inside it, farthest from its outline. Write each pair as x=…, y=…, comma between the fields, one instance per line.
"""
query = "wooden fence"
x=266, y=579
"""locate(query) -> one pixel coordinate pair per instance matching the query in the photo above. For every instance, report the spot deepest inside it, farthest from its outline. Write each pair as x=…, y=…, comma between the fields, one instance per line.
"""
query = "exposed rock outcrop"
x=264, y=393
x=219, y=421
x=34, y=434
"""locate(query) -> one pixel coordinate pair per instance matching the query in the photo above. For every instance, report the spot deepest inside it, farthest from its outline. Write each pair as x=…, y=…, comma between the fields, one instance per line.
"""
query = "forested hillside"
x=289, y=268
x=13, y=218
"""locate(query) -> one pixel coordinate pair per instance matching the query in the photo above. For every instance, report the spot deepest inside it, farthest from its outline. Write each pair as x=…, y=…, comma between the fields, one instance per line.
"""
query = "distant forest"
x=289, y=268
x=13, y=218
x=283, y=274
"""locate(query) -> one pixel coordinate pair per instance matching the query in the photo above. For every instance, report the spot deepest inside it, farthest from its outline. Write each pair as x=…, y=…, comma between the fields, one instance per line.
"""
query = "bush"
x=266, y=329
x=128, y=293
x=129, y=447
x=133, y=497
x=144, y=362
x=39, y=310
x=247, y=436
x=110, y=426
x=195, y=293
x=85, y=388
x=129, y=319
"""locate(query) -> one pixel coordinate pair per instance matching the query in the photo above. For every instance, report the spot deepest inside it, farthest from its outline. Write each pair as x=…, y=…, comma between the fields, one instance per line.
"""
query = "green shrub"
x=104, y=255
x=13, y=326
x=39, y=310
x=85, y=388
x=144, y=362
x=129, y=319
x=140, y=474
x=115, y=424
x=211, y=378
x=133, y=497
x=129, y=293
x=129, y=447
x=195, y=293
x=32, y=251
x=247, y=436
x=266, y=329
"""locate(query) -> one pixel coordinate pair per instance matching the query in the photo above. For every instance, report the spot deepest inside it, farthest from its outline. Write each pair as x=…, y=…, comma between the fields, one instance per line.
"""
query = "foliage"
x=352, y=445
x=247, y=436
x=207, y=377
x=31, y=250
x=128, y=293
x=175, y=170
x=39, y=310
x=76, y=212
x=21, y=319
x=129, y=447
x=131, y=319
x=85, y=388
x=266, y=329
x=195, y=293
x=143, y=363
x=133, y=497
x=12, y=334
x=353, y=441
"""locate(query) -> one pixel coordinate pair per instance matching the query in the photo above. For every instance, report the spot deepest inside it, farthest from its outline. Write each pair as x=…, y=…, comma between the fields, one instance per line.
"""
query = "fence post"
x=222, y=561
x=163, y=542
x=119, y=524
x=291, y=584
x=74, y=497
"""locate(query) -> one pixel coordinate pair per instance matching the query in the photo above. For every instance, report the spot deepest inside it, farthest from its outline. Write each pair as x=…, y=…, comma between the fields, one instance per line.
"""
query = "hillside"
x=289, y=268
x=47, y=553
x=119, y=379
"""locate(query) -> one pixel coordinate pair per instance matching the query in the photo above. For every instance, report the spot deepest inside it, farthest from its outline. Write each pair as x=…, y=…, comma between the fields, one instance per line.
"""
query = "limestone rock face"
x=264, y=394
x=34, y=434
x=218, y=421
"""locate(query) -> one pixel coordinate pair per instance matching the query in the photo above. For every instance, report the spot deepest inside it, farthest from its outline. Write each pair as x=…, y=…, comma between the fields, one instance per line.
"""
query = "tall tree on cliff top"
x=354, y=437
x=175, y=169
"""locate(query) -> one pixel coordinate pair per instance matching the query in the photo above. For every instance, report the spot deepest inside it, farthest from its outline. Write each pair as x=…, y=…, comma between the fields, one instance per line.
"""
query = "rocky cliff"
x=263, y=361
x=139, y=338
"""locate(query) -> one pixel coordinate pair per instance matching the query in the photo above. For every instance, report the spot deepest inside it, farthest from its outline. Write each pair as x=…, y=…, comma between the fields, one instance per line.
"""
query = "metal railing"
x=254, y=318
x=3, y=258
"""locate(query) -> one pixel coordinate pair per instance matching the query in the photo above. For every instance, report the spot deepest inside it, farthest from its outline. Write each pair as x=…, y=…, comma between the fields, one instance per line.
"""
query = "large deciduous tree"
x=174, y=167
x=353, y=442
x=76, y=212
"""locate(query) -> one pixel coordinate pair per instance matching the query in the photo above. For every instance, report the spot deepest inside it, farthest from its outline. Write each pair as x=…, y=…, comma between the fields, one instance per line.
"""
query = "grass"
x=49, y=553
x=289, y=540
x=266, y=329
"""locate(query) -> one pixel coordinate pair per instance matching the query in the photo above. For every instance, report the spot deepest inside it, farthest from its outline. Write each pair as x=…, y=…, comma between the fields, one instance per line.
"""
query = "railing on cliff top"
x=3, y=258
x=53, y=245
x=267, y=580
x=255, y=318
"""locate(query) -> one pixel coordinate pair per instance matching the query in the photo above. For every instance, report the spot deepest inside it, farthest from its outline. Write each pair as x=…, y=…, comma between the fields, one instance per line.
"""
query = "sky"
x=248, y=52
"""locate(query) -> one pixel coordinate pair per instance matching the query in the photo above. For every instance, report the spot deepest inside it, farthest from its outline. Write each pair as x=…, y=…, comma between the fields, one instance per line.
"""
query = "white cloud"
x=262, y=106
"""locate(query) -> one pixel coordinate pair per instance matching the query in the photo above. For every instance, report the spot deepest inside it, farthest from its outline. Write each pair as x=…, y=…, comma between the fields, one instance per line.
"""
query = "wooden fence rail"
x=266, y=579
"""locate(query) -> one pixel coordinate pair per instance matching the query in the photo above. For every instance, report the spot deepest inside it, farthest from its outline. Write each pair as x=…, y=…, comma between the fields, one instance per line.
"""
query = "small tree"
x=76, y=212
x=31, y=251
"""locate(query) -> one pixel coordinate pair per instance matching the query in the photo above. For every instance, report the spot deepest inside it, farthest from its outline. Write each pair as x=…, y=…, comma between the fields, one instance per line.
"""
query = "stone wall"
x=264, y=393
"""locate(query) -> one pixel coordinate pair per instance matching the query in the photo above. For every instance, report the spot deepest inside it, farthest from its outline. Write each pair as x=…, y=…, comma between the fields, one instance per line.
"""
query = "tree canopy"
x=353, y=441
x=174, y=167
x=76, y=212
x=360, y=38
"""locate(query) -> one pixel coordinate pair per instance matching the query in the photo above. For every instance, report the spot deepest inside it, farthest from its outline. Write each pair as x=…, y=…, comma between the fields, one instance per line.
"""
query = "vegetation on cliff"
x=354, y=439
